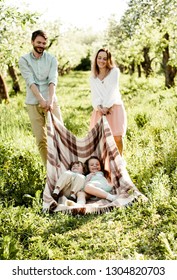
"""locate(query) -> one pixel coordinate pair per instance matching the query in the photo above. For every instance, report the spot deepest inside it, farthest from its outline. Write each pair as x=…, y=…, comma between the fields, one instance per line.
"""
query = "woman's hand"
x=105, y=110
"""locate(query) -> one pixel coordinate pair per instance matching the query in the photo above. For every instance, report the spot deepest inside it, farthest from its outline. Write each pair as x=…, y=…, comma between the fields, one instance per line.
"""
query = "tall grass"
x=141, y=231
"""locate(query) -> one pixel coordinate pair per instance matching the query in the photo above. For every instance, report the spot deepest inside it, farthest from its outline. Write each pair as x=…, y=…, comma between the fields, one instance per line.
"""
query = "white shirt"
x=106, y=92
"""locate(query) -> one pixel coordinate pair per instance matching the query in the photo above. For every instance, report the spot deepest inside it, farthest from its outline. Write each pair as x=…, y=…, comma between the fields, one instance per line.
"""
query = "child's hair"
x=105, y=172
x=78, y=161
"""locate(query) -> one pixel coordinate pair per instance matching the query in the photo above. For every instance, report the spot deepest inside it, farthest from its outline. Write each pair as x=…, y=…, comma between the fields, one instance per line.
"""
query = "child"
x=70, y=182
x=96, y=183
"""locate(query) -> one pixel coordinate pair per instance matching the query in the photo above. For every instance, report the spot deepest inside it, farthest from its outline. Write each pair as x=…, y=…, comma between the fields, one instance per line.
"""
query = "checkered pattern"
x=64, y=147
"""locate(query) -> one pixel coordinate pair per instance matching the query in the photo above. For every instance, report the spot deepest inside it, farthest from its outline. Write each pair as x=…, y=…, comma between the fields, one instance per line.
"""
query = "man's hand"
x=49, y=104
x=43, y=104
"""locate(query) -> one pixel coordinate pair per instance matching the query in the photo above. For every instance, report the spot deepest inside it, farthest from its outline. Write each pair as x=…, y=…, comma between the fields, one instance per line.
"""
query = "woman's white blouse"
x=106, y=92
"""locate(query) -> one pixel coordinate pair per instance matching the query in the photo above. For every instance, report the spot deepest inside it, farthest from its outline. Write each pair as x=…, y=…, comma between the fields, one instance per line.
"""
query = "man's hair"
x=38, y=33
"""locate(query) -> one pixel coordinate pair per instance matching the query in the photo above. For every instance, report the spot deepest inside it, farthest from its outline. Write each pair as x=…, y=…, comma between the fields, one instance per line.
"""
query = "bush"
x=20, y=174
x=84, y=65
x=141, y=120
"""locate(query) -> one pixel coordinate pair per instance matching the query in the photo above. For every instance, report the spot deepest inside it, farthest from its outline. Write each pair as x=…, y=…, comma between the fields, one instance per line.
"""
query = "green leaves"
x=12, y=33
x=20, y=176
x=144, y=25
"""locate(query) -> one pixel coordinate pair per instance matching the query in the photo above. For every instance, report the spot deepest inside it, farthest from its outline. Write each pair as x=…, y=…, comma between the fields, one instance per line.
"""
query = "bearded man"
x=40, y=71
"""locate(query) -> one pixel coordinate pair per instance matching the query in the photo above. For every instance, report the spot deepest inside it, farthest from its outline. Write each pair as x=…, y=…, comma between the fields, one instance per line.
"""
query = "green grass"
x=75, y=102
x=143, y=231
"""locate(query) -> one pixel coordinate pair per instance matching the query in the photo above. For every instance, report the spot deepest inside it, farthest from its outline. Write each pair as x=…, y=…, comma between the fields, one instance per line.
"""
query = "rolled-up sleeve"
x=26, y=72
x=41, y=71
x=53, y=73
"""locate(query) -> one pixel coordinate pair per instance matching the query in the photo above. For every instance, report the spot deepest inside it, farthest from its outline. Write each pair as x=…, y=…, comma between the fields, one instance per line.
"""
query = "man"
x=39, y=69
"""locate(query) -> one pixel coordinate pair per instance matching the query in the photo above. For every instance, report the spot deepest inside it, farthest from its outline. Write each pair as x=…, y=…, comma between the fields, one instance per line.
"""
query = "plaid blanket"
x=64, y=147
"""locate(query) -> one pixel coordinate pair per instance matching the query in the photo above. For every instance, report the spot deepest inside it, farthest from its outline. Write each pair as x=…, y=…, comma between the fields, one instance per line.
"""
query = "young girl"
x=96, y=183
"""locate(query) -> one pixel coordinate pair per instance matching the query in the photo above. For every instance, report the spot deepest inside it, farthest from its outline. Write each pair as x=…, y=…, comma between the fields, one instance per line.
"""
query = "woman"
x=106, y=97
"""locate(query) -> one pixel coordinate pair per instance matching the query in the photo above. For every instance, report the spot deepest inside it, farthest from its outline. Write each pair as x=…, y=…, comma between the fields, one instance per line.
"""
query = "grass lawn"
x=143, y=231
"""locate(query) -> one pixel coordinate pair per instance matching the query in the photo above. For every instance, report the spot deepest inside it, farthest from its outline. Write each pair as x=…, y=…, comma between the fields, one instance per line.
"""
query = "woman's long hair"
x=110, y=63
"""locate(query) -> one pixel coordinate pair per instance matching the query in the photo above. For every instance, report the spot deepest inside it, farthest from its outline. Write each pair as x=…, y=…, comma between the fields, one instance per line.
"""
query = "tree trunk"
x=16, y=86
x=146, y=64
x=139, y=70
x=170, y=71
x=122, y=68
x=3, y=90
x=132, y=68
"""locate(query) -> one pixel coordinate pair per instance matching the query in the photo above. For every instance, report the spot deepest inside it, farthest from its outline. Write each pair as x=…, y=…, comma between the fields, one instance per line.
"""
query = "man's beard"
x=39, y=51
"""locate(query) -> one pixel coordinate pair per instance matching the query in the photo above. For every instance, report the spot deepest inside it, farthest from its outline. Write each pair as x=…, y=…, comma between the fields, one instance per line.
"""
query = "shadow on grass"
x=62, y=223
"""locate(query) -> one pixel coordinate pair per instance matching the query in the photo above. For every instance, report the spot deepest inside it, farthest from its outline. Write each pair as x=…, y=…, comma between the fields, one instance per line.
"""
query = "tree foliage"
x=144, y=39
x=13, y=31
x=142, y=31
